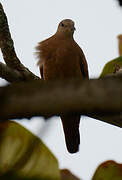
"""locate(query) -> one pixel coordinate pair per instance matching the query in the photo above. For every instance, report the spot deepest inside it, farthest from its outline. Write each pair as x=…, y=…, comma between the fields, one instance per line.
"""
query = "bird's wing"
x=82, y=61
x=84, y=66
x=41, y=71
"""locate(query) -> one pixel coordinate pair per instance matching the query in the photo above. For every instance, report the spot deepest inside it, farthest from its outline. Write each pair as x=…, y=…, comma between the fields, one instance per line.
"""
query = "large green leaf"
x=111, y=66
x=24, y=154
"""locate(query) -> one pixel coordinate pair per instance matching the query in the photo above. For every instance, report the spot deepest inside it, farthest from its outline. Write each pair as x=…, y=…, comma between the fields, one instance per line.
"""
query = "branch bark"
x=8, y=51
x=9, y=74
x=96, y=98
x=120, y=2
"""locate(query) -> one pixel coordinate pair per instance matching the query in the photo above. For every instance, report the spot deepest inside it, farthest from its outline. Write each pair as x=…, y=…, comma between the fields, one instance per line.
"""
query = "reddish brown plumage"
x=60, y=57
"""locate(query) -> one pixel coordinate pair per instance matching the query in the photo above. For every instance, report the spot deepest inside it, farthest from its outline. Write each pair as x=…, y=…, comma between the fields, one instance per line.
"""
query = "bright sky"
x=97, y=25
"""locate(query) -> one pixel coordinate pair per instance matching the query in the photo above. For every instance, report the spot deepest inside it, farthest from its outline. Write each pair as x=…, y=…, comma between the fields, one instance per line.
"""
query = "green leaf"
x=24, y=154
x=111, y=66
x=109, y=170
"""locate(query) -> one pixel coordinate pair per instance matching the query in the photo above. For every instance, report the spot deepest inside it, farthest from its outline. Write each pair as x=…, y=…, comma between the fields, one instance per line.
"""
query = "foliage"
x=111, y=67
x=108, y=170
x=24, y=154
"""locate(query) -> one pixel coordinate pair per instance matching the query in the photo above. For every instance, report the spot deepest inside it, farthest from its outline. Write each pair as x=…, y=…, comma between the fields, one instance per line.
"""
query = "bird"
x=60, y=57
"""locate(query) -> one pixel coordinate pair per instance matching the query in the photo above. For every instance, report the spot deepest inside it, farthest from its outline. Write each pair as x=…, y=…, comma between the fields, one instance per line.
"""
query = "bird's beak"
x=73, y=28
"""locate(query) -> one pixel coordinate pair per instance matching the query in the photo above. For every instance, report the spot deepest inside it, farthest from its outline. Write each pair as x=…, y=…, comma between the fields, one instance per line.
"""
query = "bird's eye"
x=62, y=24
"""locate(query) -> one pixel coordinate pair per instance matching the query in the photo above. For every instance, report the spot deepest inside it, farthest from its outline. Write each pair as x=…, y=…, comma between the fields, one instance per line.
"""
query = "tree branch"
x=97, y=98
x=9, y=74
x=8, y=51
x=113, y=119
x=120, y=2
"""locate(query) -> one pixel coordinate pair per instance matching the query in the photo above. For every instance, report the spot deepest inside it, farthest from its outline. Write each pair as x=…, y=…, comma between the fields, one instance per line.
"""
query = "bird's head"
x=66, y=27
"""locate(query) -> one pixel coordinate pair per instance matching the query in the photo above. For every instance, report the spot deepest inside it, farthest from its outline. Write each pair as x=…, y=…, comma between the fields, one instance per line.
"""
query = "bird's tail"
x=71, y=131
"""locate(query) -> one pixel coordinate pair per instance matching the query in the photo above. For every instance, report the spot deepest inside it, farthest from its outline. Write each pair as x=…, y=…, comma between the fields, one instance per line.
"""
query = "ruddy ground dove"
x=60, y=57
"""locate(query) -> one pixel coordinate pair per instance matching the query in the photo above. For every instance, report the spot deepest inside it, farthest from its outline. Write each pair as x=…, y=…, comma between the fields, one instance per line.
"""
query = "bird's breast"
x=60, y=60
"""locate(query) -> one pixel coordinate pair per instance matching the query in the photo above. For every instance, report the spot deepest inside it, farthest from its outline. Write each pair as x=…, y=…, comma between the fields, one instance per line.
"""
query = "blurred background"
x=98, y=24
